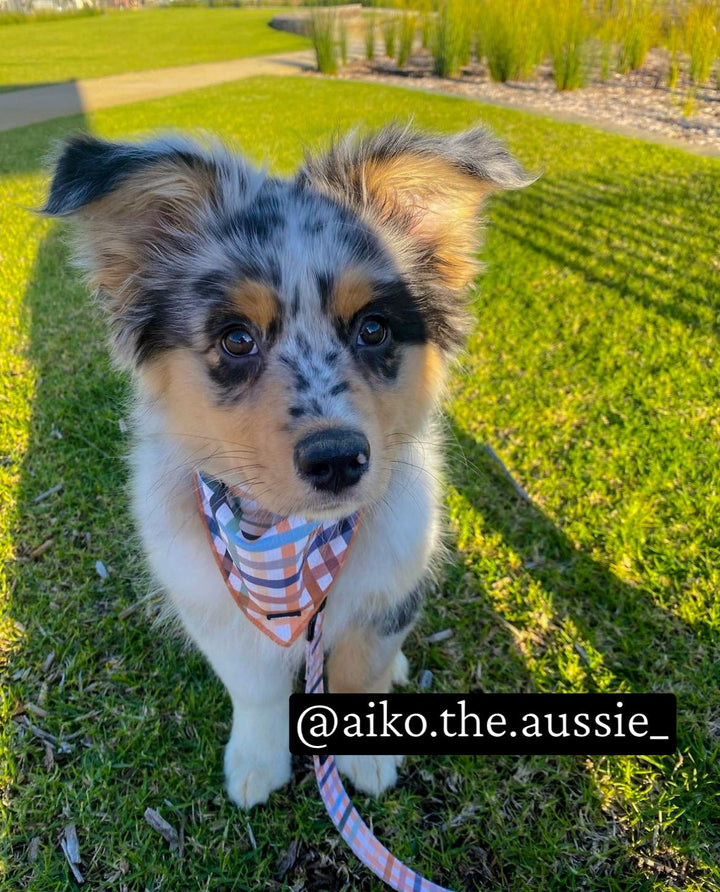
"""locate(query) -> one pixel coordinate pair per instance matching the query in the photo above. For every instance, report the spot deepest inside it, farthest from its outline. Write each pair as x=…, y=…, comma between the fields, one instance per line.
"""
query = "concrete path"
x=34, y=104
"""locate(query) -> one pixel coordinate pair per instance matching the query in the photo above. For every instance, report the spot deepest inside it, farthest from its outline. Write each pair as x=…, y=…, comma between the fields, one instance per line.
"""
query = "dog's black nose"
x=333, y=460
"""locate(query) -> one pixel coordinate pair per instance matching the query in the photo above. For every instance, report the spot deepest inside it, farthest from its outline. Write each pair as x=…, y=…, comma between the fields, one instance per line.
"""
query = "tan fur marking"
x=361, y=663
x=401, y=408
x=440, y=204
x=256, y=302
x=351, y=293
x=118, y=227
x=432, y=374
x=243, y=442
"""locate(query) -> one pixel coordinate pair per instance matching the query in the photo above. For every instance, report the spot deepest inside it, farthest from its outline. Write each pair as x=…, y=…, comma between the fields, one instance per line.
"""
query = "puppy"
x=288, y=338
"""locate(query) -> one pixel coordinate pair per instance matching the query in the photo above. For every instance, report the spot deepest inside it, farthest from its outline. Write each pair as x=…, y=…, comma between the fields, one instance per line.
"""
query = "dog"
x=289, y=338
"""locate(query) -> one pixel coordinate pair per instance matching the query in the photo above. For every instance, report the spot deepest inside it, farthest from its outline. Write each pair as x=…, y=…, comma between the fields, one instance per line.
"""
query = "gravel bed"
x=638, y=103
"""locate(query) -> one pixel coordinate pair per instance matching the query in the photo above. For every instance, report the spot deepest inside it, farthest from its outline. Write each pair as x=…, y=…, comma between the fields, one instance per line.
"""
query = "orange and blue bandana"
x=278, y=569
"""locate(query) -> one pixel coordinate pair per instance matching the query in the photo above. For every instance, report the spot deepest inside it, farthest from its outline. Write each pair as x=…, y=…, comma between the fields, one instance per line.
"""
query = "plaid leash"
x=338, y=804
x=279, y=570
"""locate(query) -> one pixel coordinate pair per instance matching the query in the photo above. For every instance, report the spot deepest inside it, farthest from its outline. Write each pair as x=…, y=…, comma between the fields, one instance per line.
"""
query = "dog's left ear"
x=426, y=187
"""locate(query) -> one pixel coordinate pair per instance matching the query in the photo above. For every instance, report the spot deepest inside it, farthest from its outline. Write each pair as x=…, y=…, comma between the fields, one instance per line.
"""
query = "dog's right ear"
x=132, y=202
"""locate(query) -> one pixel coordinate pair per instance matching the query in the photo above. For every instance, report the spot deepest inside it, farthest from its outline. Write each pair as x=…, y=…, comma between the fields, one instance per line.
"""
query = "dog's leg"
x=364, y=661
x=257, y=760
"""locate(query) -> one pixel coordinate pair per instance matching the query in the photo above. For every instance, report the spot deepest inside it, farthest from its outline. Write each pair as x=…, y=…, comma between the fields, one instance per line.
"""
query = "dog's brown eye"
x=239, y=342
x=372, y=333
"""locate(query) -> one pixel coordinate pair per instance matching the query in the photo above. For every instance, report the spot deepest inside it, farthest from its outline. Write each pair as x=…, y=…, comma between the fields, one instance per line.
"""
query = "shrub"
x=389, y=32
x=701, y=38
x=322, y=33
x=445, y=41
x=605, y=32
x=342, y=28
x=674, y=42
x=406, y=37
x=638, y=28
x=568, y=31
x=426, y=29
x=369, y=35
x=511, y=35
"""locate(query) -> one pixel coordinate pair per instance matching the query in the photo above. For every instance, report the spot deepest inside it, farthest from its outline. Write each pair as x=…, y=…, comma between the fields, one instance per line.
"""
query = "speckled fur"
x=178, y=237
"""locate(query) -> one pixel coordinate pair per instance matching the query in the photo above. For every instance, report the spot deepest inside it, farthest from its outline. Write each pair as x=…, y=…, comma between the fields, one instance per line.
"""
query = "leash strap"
x=343, y=813
x=279, y=570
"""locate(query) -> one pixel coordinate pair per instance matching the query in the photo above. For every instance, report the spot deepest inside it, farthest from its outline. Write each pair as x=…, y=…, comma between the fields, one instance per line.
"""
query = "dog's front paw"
x=370, y=774
x=400, y=669
x=250, y=780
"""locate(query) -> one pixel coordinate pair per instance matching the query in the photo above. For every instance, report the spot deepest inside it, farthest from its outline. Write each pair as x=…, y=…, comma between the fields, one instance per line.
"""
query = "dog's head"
x=292, y=334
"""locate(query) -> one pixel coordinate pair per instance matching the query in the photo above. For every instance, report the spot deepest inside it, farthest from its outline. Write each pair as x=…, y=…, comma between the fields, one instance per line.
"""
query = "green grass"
x=133, y=40
x=592, y=373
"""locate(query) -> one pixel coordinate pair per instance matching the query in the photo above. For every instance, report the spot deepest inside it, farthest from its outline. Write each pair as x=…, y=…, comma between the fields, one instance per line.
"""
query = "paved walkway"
x=34, y=104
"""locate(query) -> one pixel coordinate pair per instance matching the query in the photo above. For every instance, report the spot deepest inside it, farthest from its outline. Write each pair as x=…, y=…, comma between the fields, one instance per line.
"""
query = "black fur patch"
x=232, y=376
x=401, y=615
x=256, y=222
x=395, y=304
x=155, y=325
x=290, y=362
x=301, y=382
x=324, y=283
x=91, y=168
x=315, y=226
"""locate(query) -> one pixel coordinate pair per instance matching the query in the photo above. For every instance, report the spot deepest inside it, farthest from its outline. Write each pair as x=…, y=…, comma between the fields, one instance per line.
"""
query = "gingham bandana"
x=278, y=569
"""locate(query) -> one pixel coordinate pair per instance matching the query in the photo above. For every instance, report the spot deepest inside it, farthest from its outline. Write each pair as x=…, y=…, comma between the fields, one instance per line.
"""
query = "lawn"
x=133, y=40
x=592, y=373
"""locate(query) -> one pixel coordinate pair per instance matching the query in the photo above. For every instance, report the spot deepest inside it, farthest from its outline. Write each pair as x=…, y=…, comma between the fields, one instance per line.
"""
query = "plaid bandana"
x=278, y=569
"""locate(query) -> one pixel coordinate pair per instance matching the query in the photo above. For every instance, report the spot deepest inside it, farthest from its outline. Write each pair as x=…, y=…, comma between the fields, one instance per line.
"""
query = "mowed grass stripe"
x=592, y=373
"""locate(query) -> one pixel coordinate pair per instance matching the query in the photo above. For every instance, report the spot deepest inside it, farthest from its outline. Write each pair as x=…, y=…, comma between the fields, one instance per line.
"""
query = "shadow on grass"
x=97, y=708
x=612, y=615
x=641, y=647
x=593, y=228
x=34, y=103
x=12, y=88
x=117, y=696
